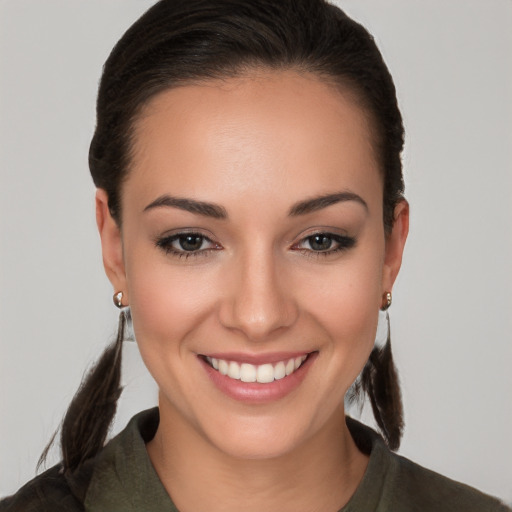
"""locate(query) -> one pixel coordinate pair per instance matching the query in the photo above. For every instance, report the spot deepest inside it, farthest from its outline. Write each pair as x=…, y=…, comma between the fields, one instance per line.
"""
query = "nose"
x=258, y=299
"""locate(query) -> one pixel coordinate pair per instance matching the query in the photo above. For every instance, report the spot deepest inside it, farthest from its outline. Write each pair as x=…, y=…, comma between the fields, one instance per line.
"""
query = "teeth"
x=247, y=372
x=223, y=367
x=279, y=371
x=263, y=373
x=234, y=370
x=290, y=366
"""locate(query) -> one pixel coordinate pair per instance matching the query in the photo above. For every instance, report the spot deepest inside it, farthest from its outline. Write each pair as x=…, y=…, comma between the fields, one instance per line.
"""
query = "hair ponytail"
x=379, y=380
x=90, y=413
x=88, y=418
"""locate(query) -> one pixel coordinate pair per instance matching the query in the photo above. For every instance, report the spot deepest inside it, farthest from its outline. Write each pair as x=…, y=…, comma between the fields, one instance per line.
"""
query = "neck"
x=321, y=474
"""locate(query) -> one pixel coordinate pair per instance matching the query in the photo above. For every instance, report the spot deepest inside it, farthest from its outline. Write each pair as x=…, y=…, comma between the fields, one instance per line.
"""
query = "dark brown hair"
x=178, y=42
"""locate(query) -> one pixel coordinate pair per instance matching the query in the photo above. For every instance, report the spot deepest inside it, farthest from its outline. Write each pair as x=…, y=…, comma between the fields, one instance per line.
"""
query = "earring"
x=387, y=299
x=118, y=299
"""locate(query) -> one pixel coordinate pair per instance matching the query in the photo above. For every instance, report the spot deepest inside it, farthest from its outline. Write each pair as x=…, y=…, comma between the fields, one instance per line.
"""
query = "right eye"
x=185, y=245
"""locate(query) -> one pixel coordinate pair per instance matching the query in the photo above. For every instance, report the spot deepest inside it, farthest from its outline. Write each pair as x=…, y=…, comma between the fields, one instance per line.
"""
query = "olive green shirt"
x=122, y=479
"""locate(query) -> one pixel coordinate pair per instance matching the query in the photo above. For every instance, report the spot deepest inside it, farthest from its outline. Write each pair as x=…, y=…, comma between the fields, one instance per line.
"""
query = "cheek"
x=167, y=302
x=350, y=292
x=346, y=306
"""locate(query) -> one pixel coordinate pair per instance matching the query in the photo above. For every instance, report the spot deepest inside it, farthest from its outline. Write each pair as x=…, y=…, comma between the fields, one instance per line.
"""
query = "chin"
x=257, y=442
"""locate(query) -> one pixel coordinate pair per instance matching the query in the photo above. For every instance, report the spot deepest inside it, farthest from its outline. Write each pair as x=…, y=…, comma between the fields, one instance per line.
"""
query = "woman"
x=251, y=215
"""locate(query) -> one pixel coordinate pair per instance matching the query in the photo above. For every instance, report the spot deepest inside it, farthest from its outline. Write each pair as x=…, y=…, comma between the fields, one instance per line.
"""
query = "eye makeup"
x=324, y=243
x=187, y=244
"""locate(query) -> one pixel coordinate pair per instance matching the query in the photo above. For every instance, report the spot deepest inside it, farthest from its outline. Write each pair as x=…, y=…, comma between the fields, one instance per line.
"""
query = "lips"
x=261, y=373
x=257, y=379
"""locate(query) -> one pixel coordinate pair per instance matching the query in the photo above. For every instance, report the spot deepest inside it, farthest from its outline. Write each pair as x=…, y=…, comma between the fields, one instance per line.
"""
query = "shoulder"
x=59, y=491
x=49, y=491
x=394, y=483
x=416, y=488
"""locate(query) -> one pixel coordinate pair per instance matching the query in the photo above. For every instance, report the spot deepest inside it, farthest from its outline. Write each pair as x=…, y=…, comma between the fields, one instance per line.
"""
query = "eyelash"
x=166, y=244
x=343, y=242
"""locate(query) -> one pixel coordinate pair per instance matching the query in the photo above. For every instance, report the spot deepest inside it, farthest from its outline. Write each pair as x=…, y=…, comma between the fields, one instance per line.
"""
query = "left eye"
x=325, y=243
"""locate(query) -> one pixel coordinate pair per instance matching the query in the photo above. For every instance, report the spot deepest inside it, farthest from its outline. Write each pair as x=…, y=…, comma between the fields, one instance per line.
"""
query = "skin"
x=254, y=145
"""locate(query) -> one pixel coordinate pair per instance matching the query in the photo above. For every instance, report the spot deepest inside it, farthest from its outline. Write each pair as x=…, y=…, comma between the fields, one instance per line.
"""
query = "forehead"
x=274, y=133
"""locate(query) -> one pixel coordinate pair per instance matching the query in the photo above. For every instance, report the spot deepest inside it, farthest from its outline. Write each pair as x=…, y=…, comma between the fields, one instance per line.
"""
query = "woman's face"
x=252, y=244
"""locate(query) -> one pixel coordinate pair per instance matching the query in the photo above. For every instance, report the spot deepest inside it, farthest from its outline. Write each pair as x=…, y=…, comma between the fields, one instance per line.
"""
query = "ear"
x=395, y=243
x=111, y=245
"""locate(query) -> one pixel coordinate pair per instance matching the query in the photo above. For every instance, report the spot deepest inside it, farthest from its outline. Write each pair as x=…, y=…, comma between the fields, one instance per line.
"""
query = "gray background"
x=452, y=313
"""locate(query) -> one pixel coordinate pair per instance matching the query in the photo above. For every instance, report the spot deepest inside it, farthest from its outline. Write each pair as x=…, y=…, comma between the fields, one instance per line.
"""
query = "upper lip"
x=257, y=359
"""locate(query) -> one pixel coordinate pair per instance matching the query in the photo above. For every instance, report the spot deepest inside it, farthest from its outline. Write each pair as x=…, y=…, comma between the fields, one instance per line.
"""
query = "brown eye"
x=325, y=244
x=187, y=244
x=191, y=242
x=320, y=242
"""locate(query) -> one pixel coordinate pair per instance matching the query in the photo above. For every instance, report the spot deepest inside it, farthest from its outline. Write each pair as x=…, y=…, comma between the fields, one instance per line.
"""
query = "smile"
x=263, y=373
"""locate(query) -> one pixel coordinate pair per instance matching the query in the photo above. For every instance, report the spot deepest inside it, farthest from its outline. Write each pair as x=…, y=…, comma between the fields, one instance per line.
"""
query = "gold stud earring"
x=118, y=299
x=387, y=299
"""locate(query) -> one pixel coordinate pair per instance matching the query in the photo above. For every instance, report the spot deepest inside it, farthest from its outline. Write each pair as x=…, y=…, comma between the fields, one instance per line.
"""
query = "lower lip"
x=254, y=392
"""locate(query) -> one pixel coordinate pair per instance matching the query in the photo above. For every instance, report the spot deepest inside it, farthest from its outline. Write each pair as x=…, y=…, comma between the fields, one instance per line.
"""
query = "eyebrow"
x=219, y=212
x=320, y=202
x=190, y=205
